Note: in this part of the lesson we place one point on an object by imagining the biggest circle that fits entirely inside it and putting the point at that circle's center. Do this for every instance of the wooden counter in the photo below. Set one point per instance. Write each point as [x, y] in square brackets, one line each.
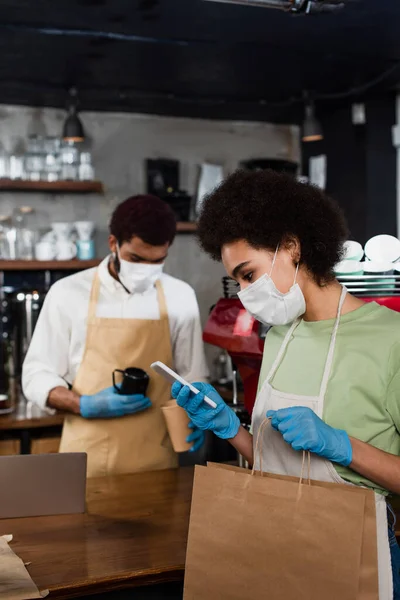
[30, 432]
[15, 421]
[134, 533]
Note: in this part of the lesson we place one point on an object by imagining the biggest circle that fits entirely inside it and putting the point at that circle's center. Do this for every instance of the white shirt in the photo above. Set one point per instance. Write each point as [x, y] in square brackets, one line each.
[58, 342]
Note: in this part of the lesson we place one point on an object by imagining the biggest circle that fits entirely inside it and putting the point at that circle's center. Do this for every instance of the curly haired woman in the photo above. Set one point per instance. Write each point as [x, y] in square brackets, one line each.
[330, 378]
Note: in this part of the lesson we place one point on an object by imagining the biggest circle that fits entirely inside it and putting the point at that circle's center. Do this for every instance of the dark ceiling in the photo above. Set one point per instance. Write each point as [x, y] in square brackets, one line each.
[191, 57]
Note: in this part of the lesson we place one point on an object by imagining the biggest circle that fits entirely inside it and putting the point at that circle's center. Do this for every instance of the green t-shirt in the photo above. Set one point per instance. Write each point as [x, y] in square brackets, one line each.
[363, 395]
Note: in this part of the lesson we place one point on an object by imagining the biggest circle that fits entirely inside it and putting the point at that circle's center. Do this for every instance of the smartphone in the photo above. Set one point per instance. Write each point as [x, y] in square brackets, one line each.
[171, 376]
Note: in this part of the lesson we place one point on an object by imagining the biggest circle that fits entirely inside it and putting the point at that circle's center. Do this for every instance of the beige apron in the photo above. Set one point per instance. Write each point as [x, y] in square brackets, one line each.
[138, 442]
[280, 458]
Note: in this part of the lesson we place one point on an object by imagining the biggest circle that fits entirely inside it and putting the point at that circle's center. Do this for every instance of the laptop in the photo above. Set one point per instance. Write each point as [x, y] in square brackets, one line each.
[33, 485]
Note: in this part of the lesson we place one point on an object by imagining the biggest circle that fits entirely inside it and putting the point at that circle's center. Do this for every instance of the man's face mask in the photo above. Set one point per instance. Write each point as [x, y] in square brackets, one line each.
[138, 277]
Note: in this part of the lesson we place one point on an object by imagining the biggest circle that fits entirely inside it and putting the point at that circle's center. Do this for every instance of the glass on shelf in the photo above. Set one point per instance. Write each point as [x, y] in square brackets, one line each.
[7, 238]
[52, 160]
[34, 158]
[16, 167]
[25, 232]
[4, 163]
[86, 171]
[69, 161]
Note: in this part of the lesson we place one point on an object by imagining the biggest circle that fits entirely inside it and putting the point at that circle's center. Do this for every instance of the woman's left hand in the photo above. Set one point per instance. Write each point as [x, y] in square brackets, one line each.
[304, 430]
[197, 437]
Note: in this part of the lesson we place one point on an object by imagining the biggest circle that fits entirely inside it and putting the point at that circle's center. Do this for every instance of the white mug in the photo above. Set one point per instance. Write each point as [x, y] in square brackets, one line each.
[44, 251]
[62, 230]
[65, 250]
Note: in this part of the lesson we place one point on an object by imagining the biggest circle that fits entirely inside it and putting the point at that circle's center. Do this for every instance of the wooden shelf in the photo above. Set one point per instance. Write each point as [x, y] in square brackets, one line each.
[69, 265]
[182, 227]
[47, 265]
[55, 187]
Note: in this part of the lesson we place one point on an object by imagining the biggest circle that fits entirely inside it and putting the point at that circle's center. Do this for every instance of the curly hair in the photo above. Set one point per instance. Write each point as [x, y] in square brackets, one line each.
[267, 208]
[145, 216]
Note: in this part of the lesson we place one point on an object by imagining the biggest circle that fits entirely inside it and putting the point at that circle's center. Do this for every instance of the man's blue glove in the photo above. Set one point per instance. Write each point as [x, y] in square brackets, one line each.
[197, 437]
[221, 420]
[108, 403]
[304, 430]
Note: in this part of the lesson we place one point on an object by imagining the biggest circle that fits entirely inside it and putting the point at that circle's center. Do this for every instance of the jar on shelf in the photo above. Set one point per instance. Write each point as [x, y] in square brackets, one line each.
[7, 238]
[17, 166]
[34, 158]
[52, 159]
[69, 161]
[25, 232]
[4, 163]
[86, 171]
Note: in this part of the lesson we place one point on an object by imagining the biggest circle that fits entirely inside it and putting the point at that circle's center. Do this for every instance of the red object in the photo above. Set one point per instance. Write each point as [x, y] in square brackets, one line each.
[392, 302]
[228, 328]
[244, 324]
[231, 328]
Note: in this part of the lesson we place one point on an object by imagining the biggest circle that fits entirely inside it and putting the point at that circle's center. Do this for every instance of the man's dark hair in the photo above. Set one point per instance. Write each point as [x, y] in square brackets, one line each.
[267, 208]
[147, 217]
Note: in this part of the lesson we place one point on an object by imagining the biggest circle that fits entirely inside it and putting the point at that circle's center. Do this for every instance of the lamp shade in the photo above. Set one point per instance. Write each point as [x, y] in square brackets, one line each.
[73, 129]
[312, 130]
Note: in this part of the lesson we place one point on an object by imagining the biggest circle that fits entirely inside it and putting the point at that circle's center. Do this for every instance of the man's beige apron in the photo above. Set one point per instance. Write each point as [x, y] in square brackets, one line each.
[138, 442]
[278, 457]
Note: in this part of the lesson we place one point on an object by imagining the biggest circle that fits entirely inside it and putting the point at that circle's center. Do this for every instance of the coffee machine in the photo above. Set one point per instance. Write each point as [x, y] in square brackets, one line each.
[7, 365]
[19, 311]
[22, 294]
[25, 306]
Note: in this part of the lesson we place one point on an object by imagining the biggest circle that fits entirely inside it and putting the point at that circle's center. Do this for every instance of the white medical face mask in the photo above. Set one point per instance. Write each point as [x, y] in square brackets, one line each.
[138, 277]
[268, 305]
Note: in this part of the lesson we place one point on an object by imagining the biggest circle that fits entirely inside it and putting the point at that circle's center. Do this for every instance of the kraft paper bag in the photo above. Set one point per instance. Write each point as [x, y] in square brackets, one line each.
[368, 586]
[276, 537]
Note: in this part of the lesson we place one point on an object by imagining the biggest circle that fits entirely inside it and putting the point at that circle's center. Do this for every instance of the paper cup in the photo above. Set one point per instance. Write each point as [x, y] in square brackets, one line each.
[177, 422]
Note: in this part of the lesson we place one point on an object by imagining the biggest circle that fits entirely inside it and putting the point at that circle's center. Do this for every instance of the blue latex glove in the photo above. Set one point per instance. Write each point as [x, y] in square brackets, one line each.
[197, 437]
[221, 420]
[304, 430]
[108, 403]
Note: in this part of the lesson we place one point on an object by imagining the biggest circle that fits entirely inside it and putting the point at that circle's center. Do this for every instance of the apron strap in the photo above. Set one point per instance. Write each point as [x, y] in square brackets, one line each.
[162, 304]
[94, 296]
[329, 359]
[282, 351]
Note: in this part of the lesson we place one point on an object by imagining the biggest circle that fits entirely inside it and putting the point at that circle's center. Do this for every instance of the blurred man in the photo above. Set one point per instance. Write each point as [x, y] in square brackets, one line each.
[125, 313]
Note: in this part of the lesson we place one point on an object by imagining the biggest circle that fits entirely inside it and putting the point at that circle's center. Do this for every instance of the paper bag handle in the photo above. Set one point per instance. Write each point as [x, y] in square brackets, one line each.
[258, 451]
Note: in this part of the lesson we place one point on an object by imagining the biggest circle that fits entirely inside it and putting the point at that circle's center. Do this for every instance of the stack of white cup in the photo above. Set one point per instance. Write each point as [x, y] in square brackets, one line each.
[57, 245]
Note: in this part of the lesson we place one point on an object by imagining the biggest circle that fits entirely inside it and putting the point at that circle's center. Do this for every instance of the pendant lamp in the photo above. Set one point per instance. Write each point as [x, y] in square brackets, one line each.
[73, 129]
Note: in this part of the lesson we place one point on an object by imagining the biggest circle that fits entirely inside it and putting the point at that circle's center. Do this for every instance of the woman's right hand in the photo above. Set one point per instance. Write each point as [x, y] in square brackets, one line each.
[221, 420]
